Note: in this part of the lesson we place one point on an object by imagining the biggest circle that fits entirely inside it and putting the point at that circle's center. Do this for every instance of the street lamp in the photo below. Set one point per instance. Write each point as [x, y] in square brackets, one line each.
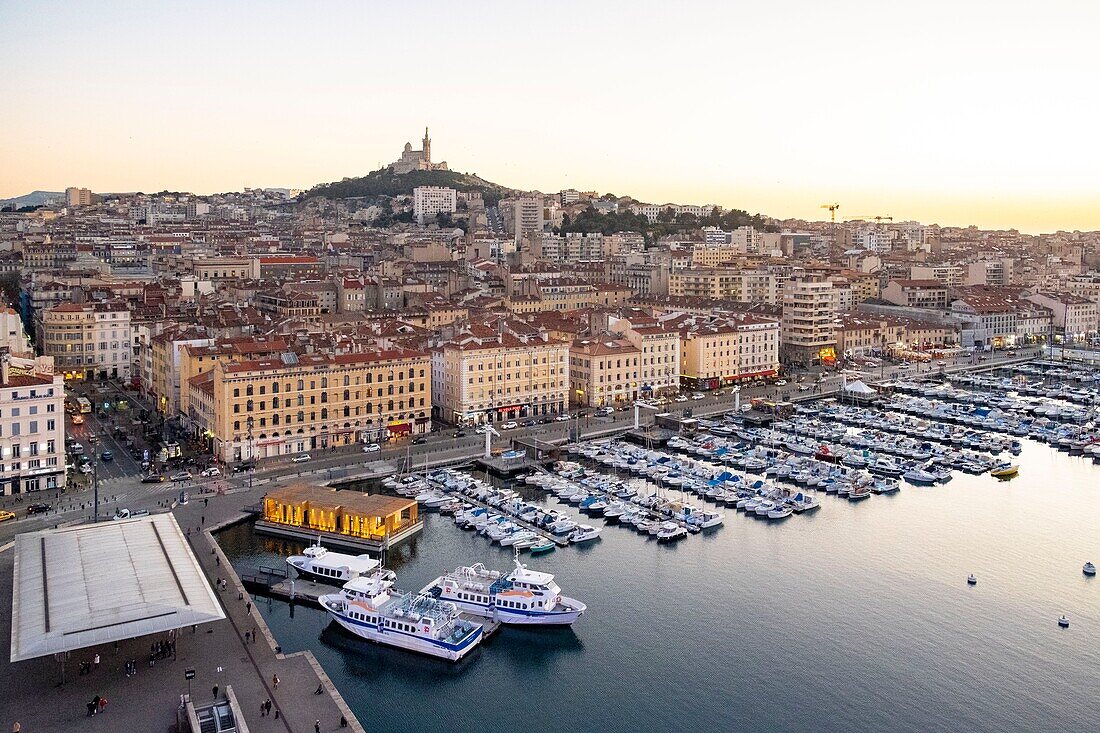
[251, 450]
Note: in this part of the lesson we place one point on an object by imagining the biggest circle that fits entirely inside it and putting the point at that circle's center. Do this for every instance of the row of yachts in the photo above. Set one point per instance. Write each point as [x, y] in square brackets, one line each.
[1008, 402]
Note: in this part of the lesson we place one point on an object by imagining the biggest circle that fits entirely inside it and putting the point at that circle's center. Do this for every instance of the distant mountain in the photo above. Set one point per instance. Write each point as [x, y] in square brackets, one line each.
[384, 182]
[34, 198]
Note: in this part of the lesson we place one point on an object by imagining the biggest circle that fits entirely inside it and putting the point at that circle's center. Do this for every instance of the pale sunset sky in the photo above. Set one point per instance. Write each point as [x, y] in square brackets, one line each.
[945, 112]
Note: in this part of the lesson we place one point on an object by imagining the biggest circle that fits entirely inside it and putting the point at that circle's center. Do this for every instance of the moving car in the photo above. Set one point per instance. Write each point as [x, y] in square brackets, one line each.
[38, 508]
[211, 471]
[803, 388]
[5, 515]
[181, 476]
[681, 398]
[372, 448]
[780, 382]
[93, 438]
[85, 468]
[301, 458]
[604, 411]
[107, 455]
[458, 434]
[698, 396]
[528, 423]
[78, 419]
[510, 425]
[419, 440]
[244, 466]
[76, 448]
[563, 417]
[153, 478]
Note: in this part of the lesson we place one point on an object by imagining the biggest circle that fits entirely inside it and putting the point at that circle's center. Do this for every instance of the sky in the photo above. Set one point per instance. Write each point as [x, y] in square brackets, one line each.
[957, 113]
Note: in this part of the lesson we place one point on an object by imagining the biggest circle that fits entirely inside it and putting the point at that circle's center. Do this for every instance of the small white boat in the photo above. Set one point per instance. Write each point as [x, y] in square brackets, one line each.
[1089, 569]
[584, 533]
[1063, 622]
[972, 579]
[671, 532]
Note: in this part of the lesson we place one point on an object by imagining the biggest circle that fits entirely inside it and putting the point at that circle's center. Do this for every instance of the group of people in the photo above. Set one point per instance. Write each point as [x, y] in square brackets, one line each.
[96, 705]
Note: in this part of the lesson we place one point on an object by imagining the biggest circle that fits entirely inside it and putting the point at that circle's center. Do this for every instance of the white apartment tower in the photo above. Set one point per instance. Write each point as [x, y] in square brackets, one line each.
[429, 201]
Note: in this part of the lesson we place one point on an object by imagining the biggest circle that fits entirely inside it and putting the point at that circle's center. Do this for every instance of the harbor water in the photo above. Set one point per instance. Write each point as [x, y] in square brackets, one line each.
[855, 618]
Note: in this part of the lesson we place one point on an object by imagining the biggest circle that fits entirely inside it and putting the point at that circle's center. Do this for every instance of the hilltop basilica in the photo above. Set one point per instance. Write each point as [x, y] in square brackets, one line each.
[417, 160]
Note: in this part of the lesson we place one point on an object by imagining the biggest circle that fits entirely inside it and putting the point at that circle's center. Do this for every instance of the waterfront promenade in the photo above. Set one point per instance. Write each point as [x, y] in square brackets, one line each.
[149, 700]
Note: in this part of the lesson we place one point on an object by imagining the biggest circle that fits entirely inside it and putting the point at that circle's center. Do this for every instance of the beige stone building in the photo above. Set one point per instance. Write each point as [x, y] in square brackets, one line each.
[722, 351]
[295, 404]
[87, 340]
[604, 371]
[486, 377]
[32, 426]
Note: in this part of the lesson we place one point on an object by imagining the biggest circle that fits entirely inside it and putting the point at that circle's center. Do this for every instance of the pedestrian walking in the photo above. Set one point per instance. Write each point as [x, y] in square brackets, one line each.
[215, 692]
[202, 520]
[343, 721]
[248, 607]
[275, 681]
[217, 561]
[317, 726]
[253, 636]
[319, 691]
[95, 662]
[246, 636]
[206, 502]
[263, 708]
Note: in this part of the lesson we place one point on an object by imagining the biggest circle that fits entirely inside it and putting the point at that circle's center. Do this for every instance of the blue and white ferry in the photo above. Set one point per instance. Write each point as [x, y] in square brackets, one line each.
[371, 608]
[521, 597]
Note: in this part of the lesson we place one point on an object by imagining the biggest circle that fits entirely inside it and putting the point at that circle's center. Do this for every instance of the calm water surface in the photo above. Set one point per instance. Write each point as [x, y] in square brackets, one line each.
[856, 618]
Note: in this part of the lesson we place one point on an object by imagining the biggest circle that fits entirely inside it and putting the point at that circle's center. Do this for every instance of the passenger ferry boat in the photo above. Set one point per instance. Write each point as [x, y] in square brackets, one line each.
[334, 568]
[521, 597]
[370, 608]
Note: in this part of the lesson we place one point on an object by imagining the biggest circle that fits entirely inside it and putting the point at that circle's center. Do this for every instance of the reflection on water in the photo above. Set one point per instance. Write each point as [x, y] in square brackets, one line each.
[855, 618]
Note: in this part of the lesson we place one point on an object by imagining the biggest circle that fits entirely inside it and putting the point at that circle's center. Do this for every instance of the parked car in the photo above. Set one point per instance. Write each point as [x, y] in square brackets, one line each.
[803, 388]
[76, 448]
[181, 476]
[153, 478]
[458, 434]
[780, 382]
[564, 417]
[93, 438]
[38, 508]
[510, 425]
[372, 448]
[528, 423]
[107, 455]
[698, 396]
[1010, 352]
[419, 440]
[85, 468]
[244, 466]
[605, 411]
[300, 458]
[211, 471]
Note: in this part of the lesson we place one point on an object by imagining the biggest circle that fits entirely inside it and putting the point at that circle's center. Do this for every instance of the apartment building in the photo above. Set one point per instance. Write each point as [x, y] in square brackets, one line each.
[482, 376]
[292, 404]
[949, 275]
[723, 351]
[809, 311]
[430, 201]
[32, 426]
[603, 371]
[930, 294]
[1074, 317]
[725, 283]
[659, 353]
[87, 340]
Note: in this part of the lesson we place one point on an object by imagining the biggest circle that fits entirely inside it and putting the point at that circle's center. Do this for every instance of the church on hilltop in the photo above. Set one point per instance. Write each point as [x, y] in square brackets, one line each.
[417, 160]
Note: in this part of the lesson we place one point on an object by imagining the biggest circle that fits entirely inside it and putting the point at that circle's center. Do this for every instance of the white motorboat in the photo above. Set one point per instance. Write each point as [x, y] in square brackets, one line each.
[670, 532]
[1089, 569]
[334, 568]
[584, 533]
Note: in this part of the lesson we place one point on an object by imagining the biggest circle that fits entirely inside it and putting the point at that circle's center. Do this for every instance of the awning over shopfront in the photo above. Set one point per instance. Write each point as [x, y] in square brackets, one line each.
[400, 428]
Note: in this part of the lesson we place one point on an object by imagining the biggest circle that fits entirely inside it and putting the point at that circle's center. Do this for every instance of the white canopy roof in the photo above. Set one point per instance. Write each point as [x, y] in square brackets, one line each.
[858, 387]
[79, 586]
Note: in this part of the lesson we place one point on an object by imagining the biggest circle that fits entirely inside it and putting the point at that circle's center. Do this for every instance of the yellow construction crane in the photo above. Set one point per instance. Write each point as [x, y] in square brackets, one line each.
[832, 211]
[865, 217]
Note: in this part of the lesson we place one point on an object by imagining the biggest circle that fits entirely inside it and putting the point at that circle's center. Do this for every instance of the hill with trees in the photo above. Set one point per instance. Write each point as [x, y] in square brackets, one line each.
[384, 182]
